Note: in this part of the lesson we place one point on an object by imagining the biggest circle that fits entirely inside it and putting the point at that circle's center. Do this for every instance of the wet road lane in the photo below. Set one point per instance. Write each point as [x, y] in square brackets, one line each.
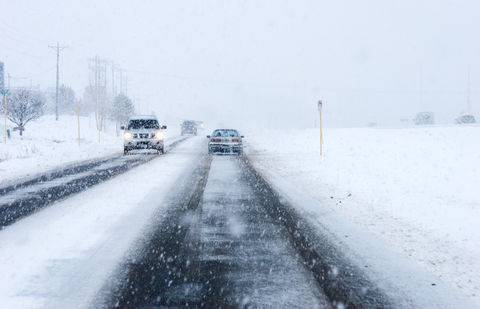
[235, 230]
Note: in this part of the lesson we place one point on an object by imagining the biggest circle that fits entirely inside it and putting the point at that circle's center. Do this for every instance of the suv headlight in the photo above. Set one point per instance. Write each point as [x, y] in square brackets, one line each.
[127, 136]
[159, 135]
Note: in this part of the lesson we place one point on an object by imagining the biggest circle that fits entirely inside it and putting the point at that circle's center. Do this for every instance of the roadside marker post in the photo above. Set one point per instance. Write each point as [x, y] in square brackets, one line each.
[320, 106]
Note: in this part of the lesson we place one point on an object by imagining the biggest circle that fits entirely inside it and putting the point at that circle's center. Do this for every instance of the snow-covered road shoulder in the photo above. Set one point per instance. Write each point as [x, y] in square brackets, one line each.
[48, 145]
[60, 256]
[401, 202]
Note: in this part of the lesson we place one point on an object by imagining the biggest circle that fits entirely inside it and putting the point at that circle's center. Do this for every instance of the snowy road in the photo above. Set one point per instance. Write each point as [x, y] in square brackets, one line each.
[189, 229]
[226, 243]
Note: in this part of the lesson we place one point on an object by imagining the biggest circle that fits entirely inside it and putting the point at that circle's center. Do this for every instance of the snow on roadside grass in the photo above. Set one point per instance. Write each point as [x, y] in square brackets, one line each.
[412, 191]
[48, 144]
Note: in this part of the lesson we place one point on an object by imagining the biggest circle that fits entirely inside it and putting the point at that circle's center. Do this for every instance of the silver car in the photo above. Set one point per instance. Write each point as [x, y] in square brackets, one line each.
[143, 132]
[225, 141]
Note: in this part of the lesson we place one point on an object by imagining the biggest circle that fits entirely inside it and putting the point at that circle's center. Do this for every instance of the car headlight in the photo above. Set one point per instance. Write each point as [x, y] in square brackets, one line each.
[159, 135]
[127, 136]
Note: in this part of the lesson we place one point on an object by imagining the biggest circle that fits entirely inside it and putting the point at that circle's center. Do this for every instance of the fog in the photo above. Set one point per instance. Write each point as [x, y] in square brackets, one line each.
[259, 63]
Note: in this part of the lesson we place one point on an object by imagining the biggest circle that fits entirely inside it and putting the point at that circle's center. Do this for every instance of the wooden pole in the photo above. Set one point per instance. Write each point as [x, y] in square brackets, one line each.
[320, 106]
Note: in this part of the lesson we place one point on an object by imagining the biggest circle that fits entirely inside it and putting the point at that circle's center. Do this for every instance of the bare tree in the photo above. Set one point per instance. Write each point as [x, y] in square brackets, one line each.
[24, 106]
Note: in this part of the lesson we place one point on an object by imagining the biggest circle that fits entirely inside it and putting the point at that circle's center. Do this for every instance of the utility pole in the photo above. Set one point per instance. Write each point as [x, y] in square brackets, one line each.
[121, 81]
[126, 84]
[98, 84]
[113, 80]
[58, 49]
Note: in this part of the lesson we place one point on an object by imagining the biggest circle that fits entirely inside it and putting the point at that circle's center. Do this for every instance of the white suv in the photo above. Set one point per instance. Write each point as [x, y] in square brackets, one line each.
[143, 132]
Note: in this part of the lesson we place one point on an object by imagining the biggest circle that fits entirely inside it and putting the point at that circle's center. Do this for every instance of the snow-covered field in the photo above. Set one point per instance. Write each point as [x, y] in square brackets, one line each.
[48, 144]
[61, 256]
[403, 202]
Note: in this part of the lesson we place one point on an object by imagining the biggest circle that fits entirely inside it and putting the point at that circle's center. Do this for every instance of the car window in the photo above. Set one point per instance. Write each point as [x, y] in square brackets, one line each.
[225, 133]
[188, 124]
[143, 124]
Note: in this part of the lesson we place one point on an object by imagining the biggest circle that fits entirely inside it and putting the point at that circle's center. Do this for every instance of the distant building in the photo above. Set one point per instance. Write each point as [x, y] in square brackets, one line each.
[2, 76]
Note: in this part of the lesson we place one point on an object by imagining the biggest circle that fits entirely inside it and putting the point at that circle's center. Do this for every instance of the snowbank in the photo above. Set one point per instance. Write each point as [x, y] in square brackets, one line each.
[47, 144]
[402, 201]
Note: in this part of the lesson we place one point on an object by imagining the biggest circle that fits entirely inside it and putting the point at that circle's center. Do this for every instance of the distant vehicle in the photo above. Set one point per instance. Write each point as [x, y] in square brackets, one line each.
[465, 119]
[424, 118]
[189, 127]
[225, 141]
[143, 132]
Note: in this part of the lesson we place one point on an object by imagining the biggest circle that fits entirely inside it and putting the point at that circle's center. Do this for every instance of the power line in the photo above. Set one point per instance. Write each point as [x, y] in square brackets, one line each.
[213, 80]
[27, 54]
[23, 34]
[42, 72]
[10, 77]
[14, 38]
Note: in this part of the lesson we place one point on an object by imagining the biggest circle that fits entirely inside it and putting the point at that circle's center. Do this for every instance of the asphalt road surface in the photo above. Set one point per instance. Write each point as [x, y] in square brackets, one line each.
[228, 240]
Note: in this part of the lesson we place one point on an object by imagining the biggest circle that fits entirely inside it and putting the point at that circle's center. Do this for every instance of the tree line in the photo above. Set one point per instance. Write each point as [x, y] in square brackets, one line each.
[24, 105]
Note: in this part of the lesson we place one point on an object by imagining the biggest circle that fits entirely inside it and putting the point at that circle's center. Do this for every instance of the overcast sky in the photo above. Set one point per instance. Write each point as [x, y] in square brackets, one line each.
[262, 63]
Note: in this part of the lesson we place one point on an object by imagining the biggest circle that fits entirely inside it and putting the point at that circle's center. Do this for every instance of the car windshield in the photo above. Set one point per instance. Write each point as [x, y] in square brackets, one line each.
[138, 124]
[225, 133]
[188, 124]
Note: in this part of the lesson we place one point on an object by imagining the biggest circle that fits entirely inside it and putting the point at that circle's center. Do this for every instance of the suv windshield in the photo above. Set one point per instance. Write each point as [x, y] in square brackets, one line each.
[138, 124]
[188, 124]
[225, 133]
